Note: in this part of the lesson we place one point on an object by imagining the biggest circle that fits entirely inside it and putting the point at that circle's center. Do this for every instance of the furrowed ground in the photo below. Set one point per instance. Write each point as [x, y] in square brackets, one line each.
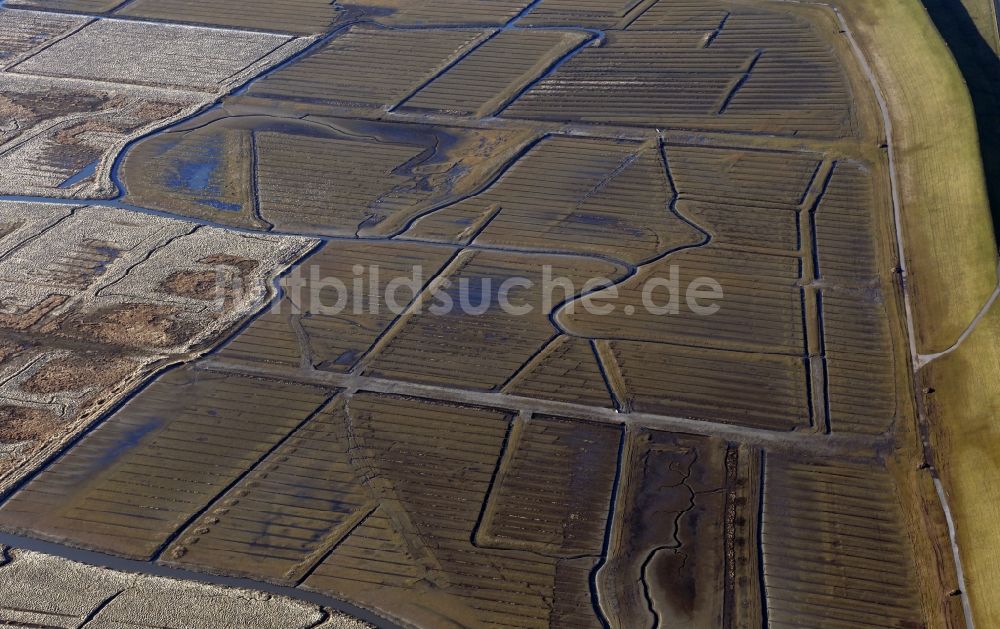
[760, 466]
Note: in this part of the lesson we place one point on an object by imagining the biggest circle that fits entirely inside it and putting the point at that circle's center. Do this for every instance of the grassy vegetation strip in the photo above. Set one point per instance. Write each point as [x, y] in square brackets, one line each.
[948, 239]
[952, 263]
[962, 409]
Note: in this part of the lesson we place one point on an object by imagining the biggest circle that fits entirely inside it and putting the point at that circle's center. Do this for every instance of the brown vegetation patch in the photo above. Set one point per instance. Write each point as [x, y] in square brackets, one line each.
[212, 283]
[26, 319]
[10, 349]
[155, 110]
[78, 372]
[193, 284]
[73, 157]
[47, 104]
[19, 423]
[71, 135]
[133, 325]
[13, 110]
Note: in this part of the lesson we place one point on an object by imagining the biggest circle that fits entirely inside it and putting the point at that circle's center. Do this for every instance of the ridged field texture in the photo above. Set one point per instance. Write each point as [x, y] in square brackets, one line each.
[561, 313]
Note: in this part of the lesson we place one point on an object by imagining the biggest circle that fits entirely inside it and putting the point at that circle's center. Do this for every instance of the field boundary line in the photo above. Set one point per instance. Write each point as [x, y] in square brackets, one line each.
[904, 275]
[462, 55]
[854, 445]
[759, 536]
[182, 528]
[633, 14]
[502, 101]
[16, 61]
[94, 613]
[508, 449]
[597, 36]
[453, 264]
[535, 360]
[611, 371]
[305, 568]
[616, 516]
